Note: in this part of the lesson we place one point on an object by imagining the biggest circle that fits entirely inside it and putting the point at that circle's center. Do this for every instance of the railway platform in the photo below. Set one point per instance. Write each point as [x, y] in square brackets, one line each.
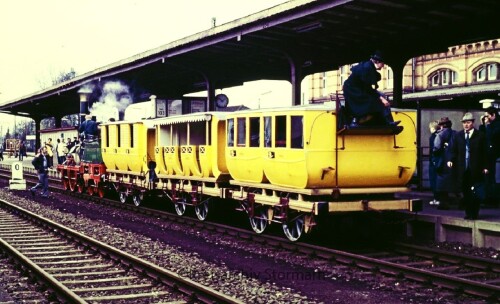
[430, 224]
[450, 225]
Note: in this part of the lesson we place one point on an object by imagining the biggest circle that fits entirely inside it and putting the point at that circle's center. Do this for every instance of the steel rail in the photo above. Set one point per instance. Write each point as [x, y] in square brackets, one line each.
[194, 290]
[448, 281]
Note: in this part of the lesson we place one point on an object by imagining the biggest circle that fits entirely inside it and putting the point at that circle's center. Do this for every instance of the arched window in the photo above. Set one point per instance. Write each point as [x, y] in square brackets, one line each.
[443, 77]
[486, 72]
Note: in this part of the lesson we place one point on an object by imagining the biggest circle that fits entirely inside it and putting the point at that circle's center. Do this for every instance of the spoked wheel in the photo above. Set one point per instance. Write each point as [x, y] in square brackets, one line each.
[137, 199]
[65, 184]
[123, 197]
[72, 185]
[294, 228]
[259, 221]
[201, 210]
[180, 206]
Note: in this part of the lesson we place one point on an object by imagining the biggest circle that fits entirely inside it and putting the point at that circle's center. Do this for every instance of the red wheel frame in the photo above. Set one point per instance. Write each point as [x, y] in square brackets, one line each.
[72, 185]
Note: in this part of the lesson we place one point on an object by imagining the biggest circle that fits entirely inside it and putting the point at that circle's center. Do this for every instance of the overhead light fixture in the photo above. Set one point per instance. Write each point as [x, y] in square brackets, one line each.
[445, 99]
[308, 27]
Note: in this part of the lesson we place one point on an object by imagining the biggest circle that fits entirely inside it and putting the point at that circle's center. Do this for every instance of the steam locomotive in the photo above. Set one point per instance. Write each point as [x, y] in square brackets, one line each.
[283, 165]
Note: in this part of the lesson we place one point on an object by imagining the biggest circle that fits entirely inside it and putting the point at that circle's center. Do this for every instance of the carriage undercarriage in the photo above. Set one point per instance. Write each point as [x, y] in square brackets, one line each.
[296, 210]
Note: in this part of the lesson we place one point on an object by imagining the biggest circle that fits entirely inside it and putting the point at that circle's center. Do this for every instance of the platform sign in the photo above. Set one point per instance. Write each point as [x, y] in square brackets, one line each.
[17, 182]
[17, 170]
[161, 108]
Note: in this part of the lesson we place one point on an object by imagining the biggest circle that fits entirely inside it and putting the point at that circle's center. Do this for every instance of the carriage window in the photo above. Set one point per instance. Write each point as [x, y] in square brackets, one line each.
[280, 133]
[131, 136]
[254, 131]
[297, 132]
[106, 139]
[230, 132]
[118, 129]
[242, 130]
[268, 130]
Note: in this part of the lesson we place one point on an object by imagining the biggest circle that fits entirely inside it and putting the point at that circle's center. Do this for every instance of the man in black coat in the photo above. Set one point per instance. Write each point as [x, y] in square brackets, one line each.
[469, 160]
[491, 127]
[362, 100]
[441, 155]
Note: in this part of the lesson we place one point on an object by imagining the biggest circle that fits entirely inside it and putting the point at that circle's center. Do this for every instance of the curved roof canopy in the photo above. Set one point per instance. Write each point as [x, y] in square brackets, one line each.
[311, 36]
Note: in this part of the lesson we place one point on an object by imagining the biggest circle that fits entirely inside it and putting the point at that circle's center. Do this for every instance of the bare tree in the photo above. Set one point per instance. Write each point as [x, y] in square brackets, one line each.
[64, 76]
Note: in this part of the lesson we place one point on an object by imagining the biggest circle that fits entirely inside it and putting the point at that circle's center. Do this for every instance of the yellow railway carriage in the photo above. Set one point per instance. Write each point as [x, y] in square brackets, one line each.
[127, 146]
[191, 145]
[301, 148]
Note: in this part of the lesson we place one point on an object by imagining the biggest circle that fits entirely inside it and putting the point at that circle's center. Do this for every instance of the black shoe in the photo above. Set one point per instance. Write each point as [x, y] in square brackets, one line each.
[32, 192]
[394, 123]
[467, 217]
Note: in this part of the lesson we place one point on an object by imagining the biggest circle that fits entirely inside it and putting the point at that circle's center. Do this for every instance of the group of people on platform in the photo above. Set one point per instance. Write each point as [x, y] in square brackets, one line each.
[43, 160]
[465, 161]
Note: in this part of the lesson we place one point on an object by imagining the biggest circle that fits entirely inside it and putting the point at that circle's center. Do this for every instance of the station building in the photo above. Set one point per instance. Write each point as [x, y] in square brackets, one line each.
[475, 66]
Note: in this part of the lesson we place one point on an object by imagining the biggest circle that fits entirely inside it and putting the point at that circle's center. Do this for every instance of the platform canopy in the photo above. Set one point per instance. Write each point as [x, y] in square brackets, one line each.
[285, 42]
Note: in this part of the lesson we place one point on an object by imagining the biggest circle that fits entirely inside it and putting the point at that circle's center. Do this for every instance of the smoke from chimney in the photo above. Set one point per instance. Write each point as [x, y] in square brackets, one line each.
[114, 99]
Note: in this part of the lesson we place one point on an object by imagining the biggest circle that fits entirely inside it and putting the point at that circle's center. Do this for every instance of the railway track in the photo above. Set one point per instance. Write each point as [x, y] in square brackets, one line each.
[78, 269]
[471, 275]
[475, 276]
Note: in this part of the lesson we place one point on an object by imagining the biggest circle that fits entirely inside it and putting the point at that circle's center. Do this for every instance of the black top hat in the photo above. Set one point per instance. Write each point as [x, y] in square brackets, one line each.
[444, 120]
[378, 55]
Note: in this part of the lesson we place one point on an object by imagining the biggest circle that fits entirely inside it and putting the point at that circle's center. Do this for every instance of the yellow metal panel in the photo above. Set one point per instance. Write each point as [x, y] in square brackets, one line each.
[218, 142]
[313, 166]
[205, 157]
[109, 152]
[161, 165]
[379, 160]
[189, 158]
[122, 149]
[367, 206]
[172, 160]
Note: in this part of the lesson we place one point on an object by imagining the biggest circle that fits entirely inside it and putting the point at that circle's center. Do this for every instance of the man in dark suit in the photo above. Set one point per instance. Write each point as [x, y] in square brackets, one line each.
[469, 158]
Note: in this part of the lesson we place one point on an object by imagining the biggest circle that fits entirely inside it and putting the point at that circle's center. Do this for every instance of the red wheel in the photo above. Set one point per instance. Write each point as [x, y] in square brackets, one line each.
[90, 190]
[80, 187]
[101, 192]
[65, 183]
[72, 185]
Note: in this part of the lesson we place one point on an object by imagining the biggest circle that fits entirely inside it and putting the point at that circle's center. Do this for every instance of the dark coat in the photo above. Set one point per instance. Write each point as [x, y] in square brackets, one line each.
[361, 96]
[38, 163]
[432, 167]
[442, 154]
[477, 158]
[493, 139]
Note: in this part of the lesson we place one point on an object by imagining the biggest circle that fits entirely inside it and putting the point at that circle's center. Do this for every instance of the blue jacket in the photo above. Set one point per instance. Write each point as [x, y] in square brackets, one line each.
[88, 127]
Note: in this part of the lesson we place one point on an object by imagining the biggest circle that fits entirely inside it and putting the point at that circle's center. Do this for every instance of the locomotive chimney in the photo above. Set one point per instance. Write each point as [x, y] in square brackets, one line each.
[84, 93]
[121, 115]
